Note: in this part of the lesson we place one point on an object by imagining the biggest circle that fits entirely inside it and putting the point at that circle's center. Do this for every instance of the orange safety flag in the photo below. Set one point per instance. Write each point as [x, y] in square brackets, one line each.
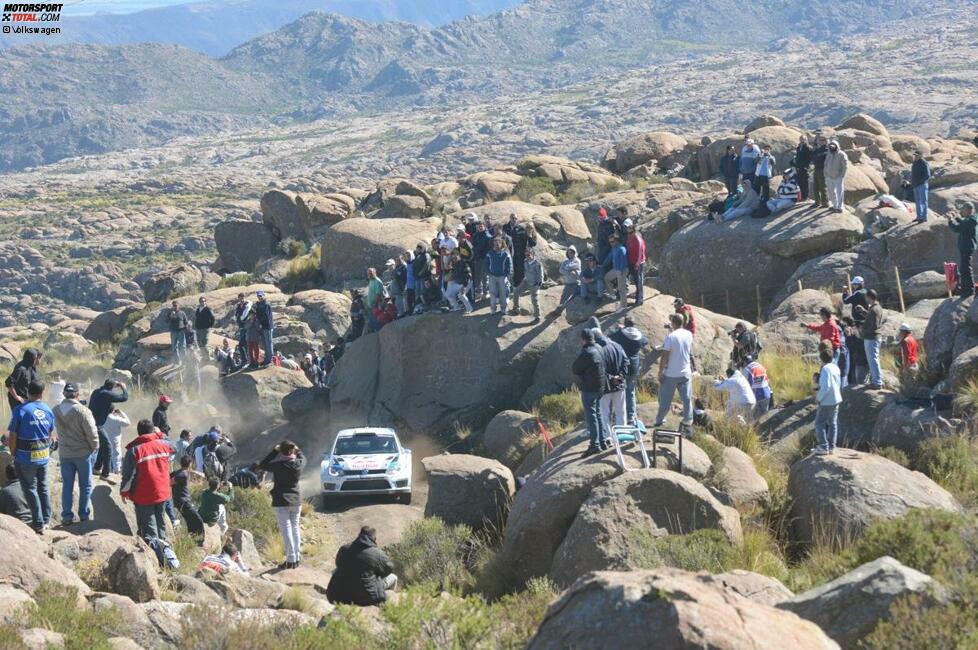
[546, 436]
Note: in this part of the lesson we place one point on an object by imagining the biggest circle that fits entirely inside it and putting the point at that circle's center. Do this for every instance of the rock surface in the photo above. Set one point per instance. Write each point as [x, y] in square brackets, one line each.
[470, 490]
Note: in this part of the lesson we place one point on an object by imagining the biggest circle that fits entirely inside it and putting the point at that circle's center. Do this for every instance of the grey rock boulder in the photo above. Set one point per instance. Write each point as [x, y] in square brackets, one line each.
[470, 490]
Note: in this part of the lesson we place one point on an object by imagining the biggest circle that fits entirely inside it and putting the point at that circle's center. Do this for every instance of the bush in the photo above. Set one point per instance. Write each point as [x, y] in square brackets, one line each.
[898, 456]
[966, 399]
[530, 186]
[912, 625]
[701, 550]
[790, 376]
[561, 409]
[252, 511]
[292, 248]
[953, 463]
[56, 608]
[236, 280]
[577, 191]
[934, 542]
[435, 554]
[736, 434]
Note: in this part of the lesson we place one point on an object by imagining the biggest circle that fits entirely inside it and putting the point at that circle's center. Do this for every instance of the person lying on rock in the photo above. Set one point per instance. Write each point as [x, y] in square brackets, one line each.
[227, 561]
[364, 573]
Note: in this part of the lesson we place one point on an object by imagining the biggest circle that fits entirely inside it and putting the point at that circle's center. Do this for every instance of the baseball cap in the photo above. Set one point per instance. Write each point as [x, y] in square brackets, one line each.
[260, 294]
[460, 228]
[389, 263]
[213, 435]
[678, 302]
[70, 389]
[166, 399]
[602, 212]
[905, 327]
[628, 223]
[858, 280]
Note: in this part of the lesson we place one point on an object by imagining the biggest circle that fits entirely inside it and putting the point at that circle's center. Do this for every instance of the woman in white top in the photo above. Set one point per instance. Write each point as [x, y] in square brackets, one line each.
[113, 427]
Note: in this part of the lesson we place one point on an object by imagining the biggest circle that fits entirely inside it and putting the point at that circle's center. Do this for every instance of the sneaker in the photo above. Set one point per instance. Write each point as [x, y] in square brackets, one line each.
[590, 451]
[605, 445]
[176, 523]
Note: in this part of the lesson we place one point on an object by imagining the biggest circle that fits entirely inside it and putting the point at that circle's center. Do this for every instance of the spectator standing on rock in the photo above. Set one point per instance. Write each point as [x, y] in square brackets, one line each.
[756, 375]
[635, 246]
[399, 285]
[242, 309]
[909, 356]
[855, 297]
[421, 267]
[177, 322]
[285, 463]
[592, 380]
[617, 273]
[24, 373]
[920, 179]
[749, 154]
[828, 331]
[522, 237]
[410, 285]
[203, 322]
[358, 315]
[730, 169]
[614, 412]
[765, 172]
[102, 403]
[312, 371]
[966, 227]
[746, 345]
[30, 435]
[364, 574]
[180, 489]
[632, 341]
[804, 155]
[114, 425]
[869, 332]
[858, 365]
[676, 372]
[266, 324]
[740, 396]
[460, 277]
[375, 297]
[744, 206]
[570, 274]
[481, 245]
[607, 228]
[819, 153]
[499, 266]
[532, 282]
[161, 419]
[13, 501]
[253, 338]
[836, 168]
[78, 444]
[146, 479]
[829, 398]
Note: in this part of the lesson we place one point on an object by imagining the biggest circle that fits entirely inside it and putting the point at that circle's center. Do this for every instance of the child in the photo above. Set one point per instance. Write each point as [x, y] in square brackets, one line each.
[229, 561]
[212, 504]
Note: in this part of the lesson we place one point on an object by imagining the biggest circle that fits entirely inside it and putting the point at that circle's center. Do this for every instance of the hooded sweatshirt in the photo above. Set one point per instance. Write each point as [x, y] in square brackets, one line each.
[837, 163]
[360, 571]
[748, 158]
[285, 473]
[24, 373]
[570, 269]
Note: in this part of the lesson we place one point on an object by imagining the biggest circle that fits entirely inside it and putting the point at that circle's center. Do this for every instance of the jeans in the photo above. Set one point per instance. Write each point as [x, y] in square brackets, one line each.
[456, 292]
[631, 400]
[613, 409]
[920, 198]
[762, 185]
[803, 182]
[667, 389]
[178, 344]
[595, 288]
[638, 277]
[201, 337]
[168, 509]
[498, 292]
[621, 277]
[762, 406]
[149, 521]
[777, 205]
[115, 457]
[837, 192]
[534, 298]
[842, 360]
[966, 278]
[82, 468]
[266, 336]
[479, 277]
[735, 213]
[821, 196]
[731, 183]
[592, 417]
[103, 456]
[34, 483]
[827, 426]
[873, 357]
[288, 525]
[570, 290]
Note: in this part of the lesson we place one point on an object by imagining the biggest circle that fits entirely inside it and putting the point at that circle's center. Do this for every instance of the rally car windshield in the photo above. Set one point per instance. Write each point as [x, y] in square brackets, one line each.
[359, 445]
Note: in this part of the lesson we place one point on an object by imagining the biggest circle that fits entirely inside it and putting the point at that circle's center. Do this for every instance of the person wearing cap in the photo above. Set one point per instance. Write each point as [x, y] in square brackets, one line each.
[146, 479]
[499, 266]
[387, 275]
[855, 296]
[471, 225]
[78, 445]
[632, 341]
[607, 228]
[870, 333]
[102, 403]
[749, 154]
[730, 169]
[676, 372]
[203, 322]
[801, 162]
[765, 172]
[617, 274]
[819, 153]
[30, 435]
[909, 355]
[591, 379]
[462, 233]
[481, 245]
[160, 419]
[967, 229]
[836, 168]
[635, 247]
[920, 179]
[177, 322]
[745, 345]
[266, 325]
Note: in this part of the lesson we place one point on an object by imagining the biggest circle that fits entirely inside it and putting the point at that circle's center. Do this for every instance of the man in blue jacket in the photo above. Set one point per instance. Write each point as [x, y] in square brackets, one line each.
[481, 244]
[266, 323]
[617, 264]
[730, 169]
[632, 340]
[920, 179]
[499, 266]
[101, 403]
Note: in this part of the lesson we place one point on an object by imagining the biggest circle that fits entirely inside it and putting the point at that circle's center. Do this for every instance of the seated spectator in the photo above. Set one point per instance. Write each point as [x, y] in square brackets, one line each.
[788, 193]
[213, 500]
[228, 561]
[592, 280]
[12, 500]
[364, 574]
[289, 363]
[749, 201]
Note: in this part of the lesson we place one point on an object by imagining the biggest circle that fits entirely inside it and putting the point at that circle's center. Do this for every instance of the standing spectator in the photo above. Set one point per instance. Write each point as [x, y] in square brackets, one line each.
[756, 375]
[746, 345]
[870, 334]
[532, 281]
[749, 154]
[589, 368]
[266, 325]
[253, 338]
[966, 227]
[29, 436]
[523, 238]
[180, 488]
[607, 228]
[364, 574]
[635, 246]
[740, 396]
[410, 285]
[614, 412]
[112, 430]
[499, 266]
[13, 500]
[242, 309]
[686, 311]
[829, 398]
[285, 463]
[458, 286]
[592, 280]
[617, 265]
[399, 285]
[828, 331]
[858, 365]
[730, 169]
[481, 245]
[78, 445]
[570, 274]
[765, 172]
[632, 340]
[375, 298]
[203, 322]
[804, 155]
[160, 418]
[24, 373]
[836, 168]
[819, 154]
[146, 479]
[421, 268]
[675, 371]
[178, 322]
[101, 403]
[387, 276]
[312, 371]
[183, 443]
[920, 179]
[213, 503]
[856, 299]
[225, 358]
[909, 356]
[358, 315]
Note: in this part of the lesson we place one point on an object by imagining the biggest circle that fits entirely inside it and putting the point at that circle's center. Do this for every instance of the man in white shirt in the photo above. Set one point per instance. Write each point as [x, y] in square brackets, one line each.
[675, 371]
[829, 398]
[740, 396]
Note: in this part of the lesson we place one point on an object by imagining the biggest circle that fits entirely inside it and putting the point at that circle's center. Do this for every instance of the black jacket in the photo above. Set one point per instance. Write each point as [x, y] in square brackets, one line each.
[857, 299]
[631, 341]
[264, 312]
[966, 229]
[803, 157]
[203, 318]
[101, 403]
[589, 368]
[461, 272]
[160, 419]
[615, 363]
[285, 478]
[24, 373]
[919, 172]
[180, 486]
[730, 166]
[14, 503]
[421, 267]
[360, 571]
[819, 154]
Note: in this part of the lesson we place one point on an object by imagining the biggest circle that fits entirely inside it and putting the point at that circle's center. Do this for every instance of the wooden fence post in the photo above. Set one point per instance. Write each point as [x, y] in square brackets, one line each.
[899, 286]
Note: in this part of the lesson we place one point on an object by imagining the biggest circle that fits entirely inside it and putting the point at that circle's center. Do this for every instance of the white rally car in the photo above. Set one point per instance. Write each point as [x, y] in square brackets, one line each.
[367, 461]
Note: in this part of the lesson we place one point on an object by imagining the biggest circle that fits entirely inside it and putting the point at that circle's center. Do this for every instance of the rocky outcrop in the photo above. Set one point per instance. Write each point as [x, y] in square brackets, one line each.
[112, 561]
[242, 244]
[257, 395]
[675, 608]
[656, 146]
[740, 480]
[470, 490]
[353, 245]
[510, 436]
[752, 586]
[181, 279]
[24, 563]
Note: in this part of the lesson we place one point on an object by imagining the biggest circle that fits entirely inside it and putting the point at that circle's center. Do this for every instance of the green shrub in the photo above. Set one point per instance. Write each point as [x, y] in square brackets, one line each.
[953, 463]
[530, 186]
[577, 191]
[701, 550]
[561, 409]
[236, 280]
[252, 511]
[935, 542]
[433, 553]
[912, 625]
[10, 637]
[898, 456]
[56, 608]
[790, 375]
[735, 434]
[292, 248]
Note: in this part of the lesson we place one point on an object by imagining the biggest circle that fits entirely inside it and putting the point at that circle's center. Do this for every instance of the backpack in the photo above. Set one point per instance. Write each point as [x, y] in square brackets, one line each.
[164, 553]
[213, 468]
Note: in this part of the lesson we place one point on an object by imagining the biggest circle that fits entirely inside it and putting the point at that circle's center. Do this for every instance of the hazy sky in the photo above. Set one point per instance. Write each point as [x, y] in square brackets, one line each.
[78, 7]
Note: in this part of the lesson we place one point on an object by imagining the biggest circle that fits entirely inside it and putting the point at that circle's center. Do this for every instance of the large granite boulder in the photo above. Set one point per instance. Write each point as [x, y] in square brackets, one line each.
[24, 564]
[326, 313]
[242, 244]
[256, 396]
[740, 480]
[470, 490]
[510, 436]
[641, 149]
[111, 562]
[351, 246]
[180, 279]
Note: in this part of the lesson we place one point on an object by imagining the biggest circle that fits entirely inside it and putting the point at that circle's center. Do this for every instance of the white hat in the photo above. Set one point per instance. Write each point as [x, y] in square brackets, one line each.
[905, 327]
[389, 263]
[460, 228]
[627, 223]
[472, 216]
[858, 280]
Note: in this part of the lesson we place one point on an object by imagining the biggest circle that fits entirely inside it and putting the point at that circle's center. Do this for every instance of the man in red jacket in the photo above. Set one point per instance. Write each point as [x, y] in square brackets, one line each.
[828, 330]
[146, 478]
[635, 247]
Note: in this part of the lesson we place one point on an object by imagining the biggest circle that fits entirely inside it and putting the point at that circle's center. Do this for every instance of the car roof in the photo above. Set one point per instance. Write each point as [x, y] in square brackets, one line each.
[379, 431]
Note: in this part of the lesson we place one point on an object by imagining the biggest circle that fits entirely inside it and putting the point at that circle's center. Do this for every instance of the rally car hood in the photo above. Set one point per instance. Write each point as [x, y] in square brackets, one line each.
[365, 461]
